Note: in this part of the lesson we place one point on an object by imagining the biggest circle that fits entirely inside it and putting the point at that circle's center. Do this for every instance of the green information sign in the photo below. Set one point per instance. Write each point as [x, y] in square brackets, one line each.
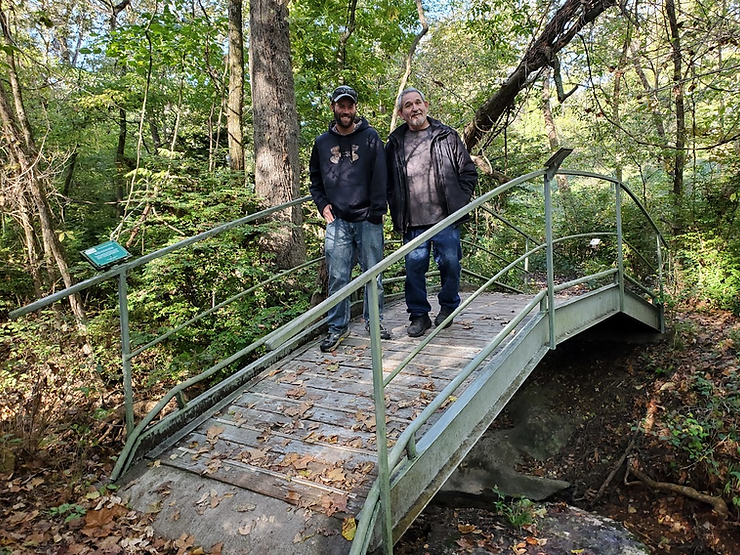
[105, 255]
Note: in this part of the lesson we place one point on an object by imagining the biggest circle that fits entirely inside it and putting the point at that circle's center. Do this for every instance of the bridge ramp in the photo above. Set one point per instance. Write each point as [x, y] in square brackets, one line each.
[285, 460]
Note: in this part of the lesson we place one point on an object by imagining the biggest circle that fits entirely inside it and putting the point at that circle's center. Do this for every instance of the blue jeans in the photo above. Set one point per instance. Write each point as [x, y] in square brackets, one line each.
[447, 251]
[345, 244]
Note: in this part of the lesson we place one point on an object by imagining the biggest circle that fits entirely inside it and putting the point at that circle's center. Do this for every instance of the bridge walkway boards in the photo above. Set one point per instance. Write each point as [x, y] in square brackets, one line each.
[303, 431]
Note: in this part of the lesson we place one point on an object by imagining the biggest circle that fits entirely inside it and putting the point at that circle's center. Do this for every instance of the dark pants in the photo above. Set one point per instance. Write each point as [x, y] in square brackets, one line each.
[447, 252]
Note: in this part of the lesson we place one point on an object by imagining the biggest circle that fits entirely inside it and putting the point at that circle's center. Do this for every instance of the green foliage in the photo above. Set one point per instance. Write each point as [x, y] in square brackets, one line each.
[710, 269]
[707, 433]
[518, 512]
[70, 511]
[16, 284]
[732, 486]
[41, 360]
[382, 33]
[734, 337]
[690, 435]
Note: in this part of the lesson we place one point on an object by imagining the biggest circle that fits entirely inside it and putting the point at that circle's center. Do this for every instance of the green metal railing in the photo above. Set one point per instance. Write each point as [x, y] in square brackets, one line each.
[121, 273]
[404, 451]
[155, 428]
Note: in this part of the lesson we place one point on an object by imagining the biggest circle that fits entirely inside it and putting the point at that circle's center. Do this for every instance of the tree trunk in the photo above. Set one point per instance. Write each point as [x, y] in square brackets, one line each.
[616, 103]
[654, 103]
[553, 140]
[29, 236]
[119, 182]
[120, 162]
[567, 22]
[410, 57]
[679, 158]
[275, 126]
[550, 128]
[25, 161]
[236, 87]
[344, 37]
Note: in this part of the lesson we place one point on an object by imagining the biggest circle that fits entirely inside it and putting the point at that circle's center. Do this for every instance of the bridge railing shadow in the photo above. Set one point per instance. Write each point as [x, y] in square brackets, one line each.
[522, 241]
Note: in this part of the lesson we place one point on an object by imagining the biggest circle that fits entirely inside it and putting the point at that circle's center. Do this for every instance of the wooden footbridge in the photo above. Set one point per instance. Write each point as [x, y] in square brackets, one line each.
[308, 452]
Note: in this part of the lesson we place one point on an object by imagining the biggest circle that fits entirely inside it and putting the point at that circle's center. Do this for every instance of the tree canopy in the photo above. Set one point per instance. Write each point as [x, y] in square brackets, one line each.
[122, 109]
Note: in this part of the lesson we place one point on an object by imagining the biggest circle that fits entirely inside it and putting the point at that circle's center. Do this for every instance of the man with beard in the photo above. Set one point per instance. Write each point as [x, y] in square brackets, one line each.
[348, 185]
[430, 176]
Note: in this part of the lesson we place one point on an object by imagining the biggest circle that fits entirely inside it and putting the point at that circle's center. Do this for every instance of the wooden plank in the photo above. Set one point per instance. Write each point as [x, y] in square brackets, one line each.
[304, 431]
[296, 491]
[347, 412]
[355, 376]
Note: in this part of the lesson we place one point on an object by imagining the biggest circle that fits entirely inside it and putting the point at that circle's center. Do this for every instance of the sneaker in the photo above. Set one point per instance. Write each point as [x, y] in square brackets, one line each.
[419, 324]
[333, 339]
[443, 313]
[384, 333]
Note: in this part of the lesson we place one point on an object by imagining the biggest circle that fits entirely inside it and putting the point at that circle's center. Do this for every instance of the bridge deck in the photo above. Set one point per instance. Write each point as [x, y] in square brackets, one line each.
[304, 431]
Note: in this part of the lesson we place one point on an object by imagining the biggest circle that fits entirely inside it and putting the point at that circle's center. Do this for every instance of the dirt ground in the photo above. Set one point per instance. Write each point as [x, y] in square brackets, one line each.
[612, 388]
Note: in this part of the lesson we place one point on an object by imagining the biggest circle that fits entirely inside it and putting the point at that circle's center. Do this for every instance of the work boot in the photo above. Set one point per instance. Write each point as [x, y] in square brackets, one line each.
[384, 333]
[444, 312]
[419, 324]
[333, 339]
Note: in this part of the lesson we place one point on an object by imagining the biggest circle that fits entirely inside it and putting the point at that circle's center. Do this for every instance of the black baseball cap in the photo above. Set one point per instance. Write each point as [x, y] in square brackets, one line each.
[341, 92]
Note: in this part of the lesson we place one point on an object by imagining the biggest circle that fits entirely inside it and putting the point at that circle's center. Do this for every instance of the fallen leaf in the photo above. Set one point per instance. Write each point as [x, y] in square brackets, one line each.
[465, 528]
[465, 543]
[296, 392]
[302, 463]
[299, 411]
[349, 527]
[293, 497]
[334, 475]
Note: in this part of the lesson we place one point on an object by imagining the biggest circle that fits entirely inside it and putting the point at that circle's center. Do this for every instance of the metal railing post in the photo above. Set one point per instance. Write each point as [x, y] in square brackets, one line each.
[552, 165]
[660, 283]
[526, 264]
[128, 390]
[550, 262]
[620, 242]
[381, 436]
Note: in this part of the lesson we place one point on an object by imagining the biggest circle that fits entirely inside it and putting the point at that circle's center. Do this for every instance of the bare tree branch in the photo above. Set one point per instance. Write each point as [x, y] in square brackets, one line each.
[567, 22]
[410, 56]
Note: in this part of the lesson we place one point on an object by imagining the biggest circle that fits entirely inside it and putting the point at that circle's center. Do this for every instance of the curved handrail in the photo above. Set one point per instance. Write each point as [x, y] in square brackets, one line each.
[290, 330]
[404, 447]
[578, 173]
[293, 331]
[145, 259]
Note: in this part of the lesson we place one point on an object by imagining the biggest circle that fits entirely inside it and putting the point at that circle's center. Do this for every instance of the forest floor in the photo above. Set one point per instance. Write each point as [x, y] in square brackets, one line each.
[684, 389]
[628, 398]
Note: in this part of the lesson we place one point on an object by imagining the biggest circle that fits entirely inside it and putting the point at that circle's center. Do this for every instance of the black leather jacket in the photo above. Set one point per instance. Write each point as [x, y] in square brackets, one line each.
[454, 171]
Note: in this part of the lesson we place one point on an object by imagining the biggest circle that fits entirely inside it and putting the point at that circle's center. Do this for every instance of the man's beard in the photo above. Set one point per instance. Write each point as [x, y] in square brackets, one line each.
[339, 122]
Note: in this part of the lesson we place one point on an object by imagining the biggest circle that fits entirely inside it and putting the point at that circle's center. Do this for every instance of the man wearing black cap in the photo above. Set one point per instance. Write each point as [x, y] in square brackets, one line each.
[348, 185]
